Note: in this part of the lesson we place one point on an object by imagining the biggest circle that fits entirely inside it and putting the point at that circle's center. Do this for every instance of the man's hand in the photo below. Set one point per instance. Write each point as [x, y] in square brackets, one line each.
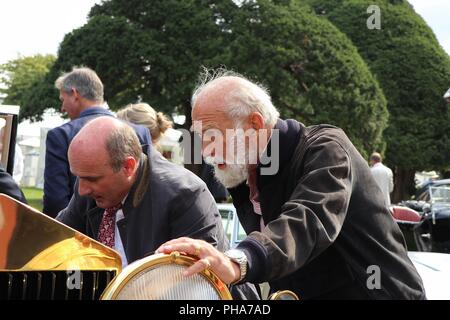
[227, 270]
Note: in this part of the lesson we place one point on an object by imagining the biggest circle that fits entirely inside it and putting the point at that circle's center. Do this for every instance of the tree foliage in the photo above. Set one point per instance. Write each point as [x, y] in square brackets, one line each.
[144, 50]
[313, 71]
[20, 75]
[154, 50]
[414, 72]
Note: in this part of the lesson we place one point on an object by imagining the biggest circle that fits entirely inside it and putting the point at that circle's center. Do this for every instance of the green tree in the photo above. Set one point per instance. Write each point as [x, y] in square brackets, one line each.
[143, 50]
[313, 71]
[18, 76]
[413, 70]
[153, 51]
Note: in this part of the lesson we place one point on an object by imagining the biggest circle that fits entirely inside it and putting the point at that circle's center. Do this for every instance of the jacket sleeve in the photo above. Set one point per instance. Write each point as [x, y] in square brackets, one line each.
[74, 214]
[57, 177]
[9, 186]
[194, 214]
[310, 221]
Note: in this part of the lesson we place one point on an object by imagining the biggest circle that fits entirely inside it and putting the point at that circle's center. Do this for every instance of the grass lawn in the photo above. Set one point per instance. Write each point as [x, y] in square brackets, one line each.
[34, 197]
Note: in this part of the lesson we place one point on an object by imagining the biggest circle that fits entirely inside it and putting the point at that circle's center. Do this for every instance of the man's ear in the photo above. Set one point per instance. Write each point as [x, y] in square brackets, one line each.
[74, 94]
[129, 166]
[257, 121]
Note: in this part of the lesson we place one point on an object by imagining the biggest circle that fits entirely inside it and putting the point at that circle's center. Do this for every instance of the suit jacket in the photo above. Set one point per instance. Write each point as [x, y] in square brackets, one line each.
[9, 187]
[58, 180]
[328, 233]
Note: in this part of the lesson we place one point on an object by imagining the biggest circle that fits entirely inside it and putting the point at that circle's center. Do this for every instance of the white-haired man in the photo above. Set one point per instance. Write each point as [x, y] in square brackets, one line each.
[315, 218]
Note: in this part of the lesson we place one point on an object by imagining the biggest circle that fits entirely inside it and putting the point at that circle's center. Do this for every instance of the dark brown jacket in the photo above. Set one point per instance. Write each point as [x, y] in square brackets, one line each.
[327, 227]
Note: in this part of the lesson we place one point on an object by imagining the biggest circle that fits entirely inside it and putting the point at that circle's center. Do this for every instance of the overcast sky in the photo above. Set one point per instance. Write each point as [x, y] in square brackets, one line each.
[29, 27]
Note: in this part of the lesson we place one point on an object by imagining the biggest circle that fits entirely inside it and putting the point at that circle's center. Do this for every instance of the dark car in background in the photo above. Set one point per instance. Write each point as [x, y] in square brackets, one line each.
[422, 192]
[425, 221]
[434, 268]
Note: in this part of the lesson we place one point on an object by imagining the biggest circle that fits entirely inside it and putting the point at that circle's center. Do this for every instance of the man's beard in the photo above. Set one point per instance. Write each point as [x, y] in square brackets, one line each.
[230, 176]
[233, 174]
[236, 170]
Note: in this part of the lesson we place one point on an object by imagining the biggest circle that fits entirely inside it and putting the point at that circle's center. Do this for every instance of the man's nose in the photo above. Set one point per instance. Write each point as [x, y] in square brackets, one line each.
[204, 149]
[208, 151]
[83, 188]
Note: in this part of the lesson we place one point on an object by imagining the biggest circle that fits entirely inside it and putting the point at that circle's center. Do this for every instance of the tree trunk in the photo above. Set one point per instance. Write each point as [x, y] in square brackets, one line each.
[403, 185]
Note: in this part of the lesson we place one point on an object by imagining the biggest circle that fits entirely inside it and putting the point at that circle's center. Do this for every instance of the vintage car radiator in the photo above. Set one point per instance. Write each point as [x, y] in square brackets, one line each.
[52, 285]
[40, 258]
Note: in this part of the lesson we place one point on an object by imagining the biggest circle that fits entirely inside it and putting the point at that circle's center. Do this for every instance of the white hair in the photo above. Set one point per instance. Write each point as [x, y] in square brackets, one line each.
[240, 102]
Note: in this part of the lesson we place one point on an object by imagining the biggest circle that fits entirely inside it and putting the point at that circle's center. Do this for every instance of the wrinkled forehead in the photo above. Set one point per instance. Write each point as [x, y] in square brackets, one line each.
[210, 112]
[214, 95]
[212, 119]
[89, 145]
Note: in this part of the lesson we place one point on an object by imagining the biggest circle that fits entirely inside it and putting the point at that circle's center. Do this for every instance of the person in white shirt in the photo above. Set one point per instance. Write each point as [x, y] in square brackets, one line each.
[447, 95]
[18, 165]
[383, 176]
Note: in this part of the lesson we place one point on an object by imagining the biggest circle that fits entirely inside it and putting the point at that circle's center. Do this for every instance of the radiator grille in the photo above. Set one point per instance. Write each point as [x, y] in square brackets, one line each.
[53, 285]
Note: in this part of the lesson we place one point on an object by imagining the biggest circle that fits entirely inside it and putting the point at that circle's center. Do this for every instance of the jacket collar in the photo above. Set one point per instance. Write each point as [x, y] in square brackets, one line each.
[139, 187]
[94, 110]
[287, 141]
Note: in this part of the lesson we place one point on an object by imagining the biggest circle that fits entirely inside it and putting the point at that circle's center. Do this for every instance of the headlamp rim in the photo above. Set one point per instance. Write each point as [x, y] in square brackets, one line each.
[128, 273]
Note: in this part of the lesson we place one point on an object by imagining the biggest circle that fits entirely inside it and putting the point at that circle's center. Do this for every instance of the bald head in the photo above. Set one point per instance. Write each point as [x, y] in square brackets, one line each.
[232, 95]
[104, 155]
[109, 139]
[375, 158]
[92, 137]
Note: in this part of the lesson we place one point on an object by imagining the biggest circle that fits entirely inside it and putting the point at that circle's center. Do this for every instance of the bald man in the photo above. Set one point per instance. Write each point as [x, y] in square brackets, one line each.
[133, 202]
[158, 200]
[315, 218]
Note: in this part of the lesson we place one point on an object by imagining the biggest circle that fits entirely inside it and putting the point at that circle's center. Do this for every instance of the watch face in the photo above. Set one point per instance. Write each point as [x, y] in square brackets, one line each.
[235, 254]
[239, 257]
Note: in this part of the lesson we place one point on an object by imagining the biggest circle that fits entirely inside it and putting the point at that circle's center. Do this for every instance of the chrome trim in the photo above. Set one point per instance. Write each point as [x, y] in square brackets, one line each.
[115, 287]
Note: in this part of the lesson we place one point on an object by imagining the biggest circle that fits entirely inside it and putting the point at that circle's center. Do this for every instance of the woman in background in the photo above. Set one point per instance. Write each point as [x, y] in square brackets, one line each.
[143, 114]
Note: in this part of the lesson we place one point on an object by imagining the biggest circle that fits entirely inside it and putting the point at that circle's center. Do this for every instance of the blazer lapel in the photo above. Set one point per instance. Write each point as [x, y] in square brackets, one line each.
[94, 218]
[138, 191]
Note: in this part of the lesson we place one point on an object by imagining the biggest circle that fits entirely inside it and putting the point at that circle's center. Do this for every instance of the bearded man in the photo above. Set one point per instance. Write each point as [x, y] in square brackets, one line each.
[315, 217]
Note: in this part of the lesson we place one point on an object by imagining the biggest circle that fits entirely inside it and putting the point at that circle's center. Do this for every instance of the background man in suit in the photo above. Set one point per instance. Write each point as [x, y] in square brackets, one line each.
[81, 95]
[134, 202]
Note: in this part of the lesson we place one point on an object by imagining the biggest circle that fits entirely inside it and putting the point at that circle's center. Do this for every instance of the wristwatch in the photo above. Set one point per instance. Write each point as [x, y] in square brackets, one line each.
[240, 258]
